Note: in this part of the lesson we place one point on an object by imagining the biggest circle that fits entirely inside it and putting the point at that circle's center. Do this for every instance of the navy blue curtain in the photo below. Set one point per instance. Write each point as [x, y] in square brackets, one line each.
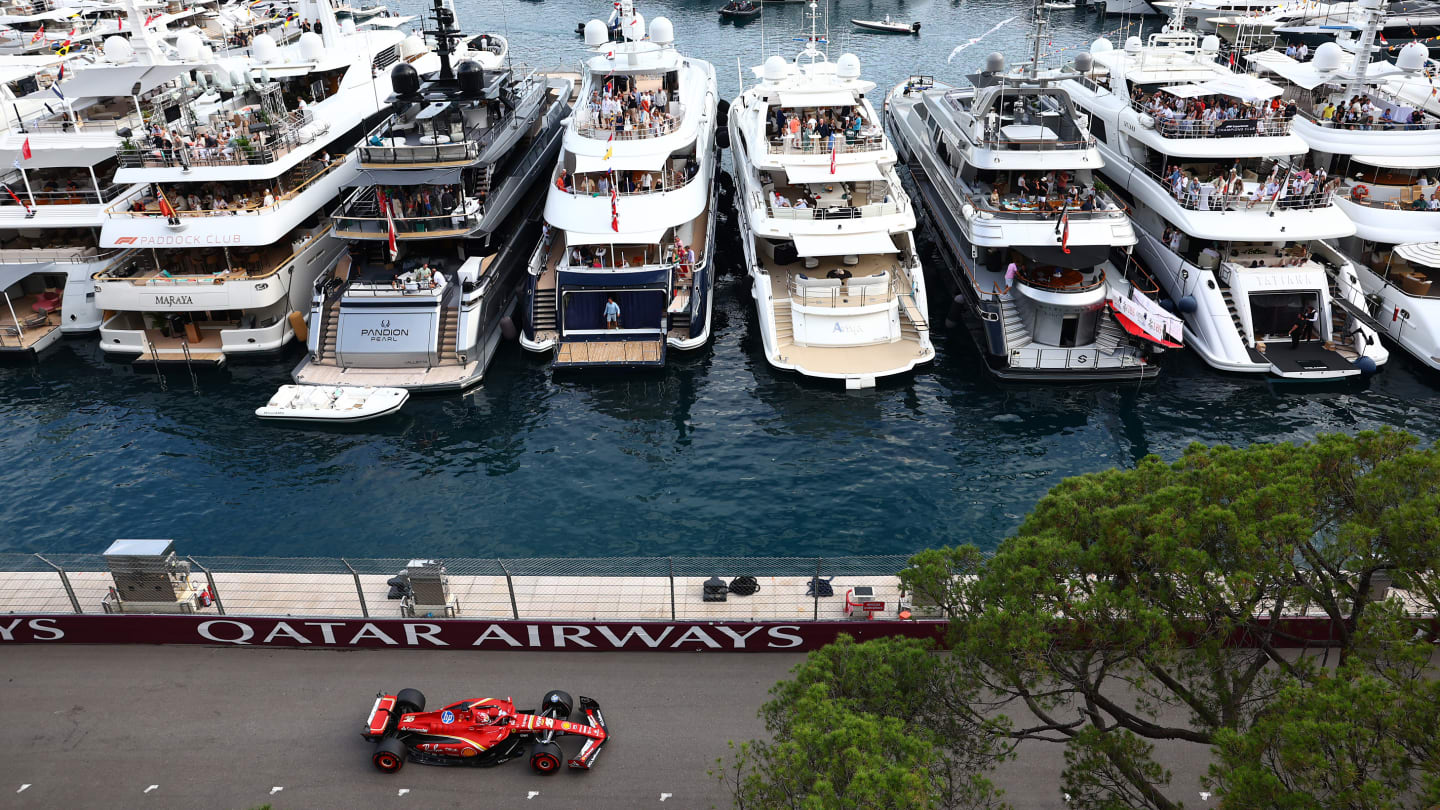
[639, 309]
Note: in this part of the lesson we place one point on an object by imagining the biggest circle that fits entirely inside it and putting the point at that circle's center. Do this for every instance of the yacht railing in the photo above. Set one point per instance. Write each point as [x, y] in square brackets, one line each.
[591, 125]
[1261, 124]
[88, 196]
[152, 209]
[61, 255]
[140, 270]
[1035, 277]
[852, 292]
[396, 289]
[806, 144]
[1037, 357]
[667, 182]
[879, 209]
[266, 145]
[1208, 198]
[475, 139]
[361, 216]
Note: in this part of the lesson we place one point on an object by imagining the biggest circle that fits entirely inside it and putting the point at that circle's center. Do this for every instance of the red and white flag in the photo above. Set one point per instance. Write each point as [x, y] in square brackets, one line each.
[832, 156]
[166, 209]
[21, 203]
[25, 150]
[614, 202]
[389, 224]
[39, 35]
[1065, 233]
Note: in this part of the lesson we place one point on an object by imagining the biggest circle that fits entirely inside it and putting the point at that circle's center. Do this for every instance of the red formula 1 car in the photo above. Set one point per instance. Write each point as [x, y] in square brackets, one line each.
[481, 732]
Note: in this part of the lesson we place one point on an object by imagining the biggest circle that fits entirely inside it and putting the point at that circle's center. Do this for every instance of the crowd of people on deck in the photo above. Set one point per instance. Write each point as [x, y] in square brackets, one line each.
[681, 254]
[423, 277]
[627, 182]
[1213, 188]
[1048, 190]
[1200, 116]
[1361, 112]
[416, 202]
[822, 124]
[627, 110]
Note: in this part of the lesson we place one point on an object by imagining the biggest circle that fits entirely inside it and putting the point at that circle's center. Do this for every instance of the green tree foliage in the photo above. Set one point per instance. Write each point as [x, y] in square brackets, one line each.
[1110, 619]
[872, 726]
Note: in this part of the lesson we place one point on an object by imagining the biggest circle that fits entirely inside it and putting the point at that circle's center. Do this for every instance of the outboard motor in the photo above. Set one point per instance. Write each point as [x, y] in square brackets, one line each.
[405, 80]
[472, 78]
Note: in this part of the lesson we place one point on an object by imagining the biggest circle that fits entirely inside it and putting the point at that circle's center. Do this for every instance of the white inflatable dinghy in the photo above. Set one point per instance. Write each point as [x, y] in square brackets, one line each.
[332, 403]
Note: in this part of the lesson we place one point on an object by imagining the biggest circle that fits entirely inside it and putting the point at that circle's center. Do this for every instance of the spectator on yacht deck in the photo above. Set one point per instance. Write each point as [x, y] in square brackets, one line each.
[612, 313]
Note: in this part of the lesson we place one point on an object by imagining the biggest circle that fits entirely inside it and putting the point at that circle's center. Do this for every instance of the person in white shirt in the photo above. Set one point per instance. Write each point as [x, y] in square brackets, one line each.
[269, 199]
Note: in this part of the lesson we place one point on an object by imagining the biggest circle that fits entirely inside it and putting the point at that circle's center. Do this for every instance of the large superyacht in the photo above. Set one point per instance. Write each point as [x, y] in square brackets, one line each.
[1366, 121]
[1232, 219]
[826, 227]
[625, 268]
[240, 165]
[1038, 250]
[442, 218]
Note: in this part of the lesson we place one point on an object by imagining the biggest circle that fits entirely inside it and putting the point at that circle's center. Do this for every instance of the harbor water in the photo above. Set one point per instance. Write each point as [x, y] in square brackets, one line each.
[715, 455]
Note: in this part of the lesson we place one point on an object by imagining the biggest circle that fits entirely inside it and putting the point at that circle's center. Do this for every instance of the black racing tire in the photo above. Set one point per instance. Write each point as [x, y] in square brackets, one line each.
[556, 699]
[545, 758]
[409, 701]
[389, 756]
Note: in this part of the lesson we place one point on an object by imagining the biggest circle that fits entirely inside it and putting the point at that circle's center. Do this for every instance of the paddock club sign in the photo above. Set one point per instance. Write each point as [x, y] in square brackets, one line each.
[452, 634]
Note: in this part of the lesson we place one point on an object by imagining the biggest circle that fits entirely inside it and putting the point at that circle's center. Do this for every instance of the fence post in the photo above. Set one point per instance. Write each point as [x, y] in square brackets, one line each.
[510, 586]
[214, 591]
[64, 580]
[815, 587]
[671, 561]
[359, 591]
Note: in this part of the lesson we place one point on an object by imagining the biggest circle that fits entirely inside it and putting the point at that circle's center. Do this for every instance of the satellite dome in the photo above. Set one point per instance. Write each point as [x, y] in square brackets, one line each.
[635, 29]
[312, 47]
[1328, 56]
[1084, 62]
[118, 49]
[188, 44]
[1412, 56]
[265, 48]
[848, 66]
[596, 33]
[411, 46]
[1132, 45]
[995, 63]
[1210, 44]
[347, 25]
[405, 79]
[471, 76]
[207, 55]
[776, 68]
[662, 31]
[1102, 45]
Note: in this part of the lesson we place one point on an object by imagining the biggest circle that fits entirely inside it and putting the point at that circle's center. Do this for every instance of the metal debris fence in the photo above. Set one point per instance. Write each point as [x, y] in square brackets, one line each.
[606, 588]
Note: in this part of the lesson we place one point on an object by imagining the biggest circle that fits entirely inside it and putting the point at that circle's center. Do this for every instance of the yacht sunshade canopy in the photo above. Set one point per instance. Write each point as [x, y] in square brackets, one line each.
[99, 82]
[826, 98]
[648, 162]
[844, 173]
[1425, 254]
[573, 238]
[844, 244]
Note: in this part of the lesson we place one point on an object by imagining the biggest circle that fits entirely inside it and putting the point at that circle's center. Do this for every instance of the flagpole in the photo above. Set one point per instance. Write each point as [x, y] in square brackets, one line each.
[28, 192]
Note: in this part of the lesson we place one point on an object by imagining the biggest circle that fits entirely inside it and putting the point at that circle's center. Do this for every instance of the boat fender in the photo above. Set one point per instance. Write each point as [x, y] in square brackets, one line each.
[722, 137]
[507, 328]
[1366, 365]
[302, 329]
[1167, 304]
[722, 113]
[1187, 304]
[1147, 121]
[968, 211]
[915, 28]
[957, 311]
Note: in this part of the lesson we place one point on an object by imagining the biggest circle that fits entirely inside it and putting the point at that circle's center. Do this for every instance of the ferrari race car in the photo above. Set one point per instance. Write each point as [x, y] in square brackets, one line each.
[481, 732]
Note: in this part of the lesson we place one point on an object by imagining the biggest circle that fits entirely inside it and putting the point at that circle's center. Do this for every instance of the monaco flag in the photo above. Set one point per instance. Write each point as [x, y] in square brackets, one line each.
[25, 149]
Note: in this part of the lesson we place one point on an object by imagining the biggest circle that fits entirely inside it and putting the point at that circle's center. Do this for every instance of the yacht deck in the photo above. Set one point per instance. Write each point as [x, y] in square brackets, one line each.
[782, 276]
[447, 376]
[33, 326]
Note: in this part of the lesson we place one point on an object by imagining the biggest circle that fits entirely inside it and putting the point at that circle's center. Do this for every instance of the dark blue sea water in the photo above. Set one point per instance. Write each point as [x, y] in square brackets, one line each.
[716, 455]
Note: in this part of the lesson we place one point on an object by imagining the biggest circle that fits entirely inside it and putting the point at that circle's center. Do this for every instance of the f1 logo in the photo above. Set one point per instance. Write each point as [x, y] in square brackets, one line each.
[125, 240]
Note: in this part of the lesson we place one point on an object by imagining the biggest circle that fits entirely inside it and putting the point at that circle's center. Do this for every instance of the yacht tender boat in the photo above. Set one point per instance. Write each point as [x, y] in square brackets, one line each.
[328, 403]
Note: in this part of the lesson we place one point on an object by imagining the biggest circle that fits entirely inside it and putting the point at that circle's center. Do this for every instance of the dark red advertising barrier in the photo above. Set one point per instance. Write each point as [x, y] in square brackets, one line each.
[455, 634]
[478, 634]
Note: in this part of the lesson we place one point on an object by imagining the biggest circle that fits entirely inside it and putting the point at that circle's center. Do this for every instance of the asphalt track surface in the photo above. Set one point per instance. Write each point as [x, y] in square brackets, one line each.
[221, 728]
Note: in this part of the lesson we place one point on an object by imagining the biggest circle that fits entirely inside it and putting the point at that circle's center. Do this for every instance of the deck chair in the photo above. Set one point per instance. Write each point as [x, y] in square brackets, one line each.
[1407, 195]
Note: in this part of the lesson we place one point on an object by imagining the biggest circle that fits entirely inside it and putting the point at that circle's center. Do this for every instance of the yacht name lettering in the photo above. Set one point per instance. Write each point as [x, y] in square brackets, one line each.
[178, 240]
[173, 300]
[385, 334]
[33, 628]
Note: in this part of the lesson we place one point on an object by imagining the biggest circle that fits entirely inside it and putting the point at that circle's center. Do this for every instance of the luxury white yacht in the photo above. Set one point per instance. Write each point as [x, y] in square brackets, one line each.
[241, 165]
[443, 216]
[1039, 252]
[625, 268]
[826, 227]
[1231, 220]
[1362, 125]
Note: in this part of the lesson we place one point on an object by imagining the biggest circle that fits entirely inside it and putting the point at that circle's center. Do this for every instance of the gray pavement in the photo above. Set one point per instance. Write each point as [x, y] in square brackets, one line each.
[220, 729]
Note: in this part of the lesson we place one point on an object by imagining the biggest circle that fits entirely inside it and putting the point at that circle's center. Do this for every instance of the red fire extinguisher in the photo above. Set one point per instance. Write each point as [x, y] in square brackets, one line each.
[205, 598]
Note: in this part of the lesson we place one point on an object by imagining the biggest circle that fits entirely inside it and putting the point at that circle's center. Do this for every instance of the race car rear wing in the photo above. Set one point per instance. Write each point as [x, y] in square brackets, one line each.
[591, 749]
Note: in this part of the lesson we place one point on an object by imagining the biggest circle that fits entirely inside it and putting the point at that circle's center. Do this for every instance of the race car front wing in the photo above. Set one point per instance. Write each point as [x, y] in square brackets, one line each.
[591, 749]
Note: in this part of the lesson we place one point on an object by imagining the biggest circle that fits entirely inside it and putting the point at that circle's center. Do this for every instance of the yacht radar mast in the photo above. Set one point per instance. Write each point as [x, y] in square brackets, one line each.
[445, 34]
[814, 38]
[1374, 11]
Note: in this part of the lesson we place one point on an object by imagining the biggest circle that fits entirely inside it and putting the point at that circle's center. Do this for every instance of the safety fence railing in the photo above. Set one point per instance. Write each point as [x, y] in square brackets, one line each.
[789, 589]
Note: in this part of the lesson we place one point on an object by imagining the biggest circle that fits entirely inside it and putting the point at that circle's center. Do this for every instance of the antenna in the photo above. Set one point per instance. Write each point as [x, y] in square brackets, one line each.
[1041, 19]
